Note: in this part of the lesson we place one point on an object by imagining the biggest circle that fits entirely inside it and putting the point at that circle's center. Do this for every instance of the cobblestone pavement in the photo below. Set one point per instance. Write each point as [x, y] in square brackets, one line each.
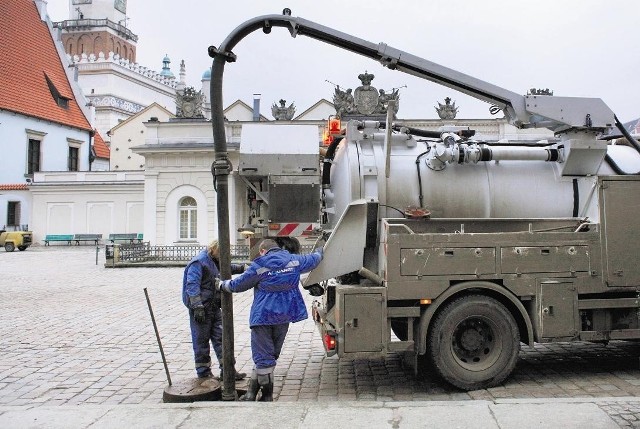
[75, 332]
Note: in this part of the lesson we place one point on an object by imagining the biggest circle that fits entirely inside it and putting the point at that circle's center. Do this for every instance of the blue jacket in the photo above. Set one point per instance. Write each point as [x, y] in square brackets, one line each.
[274, 278]
[198, 278]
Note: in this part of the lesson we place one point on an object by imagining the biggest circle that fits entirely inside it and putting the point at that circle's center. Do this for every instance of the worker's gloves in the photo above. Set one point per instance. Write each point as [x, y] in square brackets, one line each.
[221, 285]
[195, 303]
[199, 314]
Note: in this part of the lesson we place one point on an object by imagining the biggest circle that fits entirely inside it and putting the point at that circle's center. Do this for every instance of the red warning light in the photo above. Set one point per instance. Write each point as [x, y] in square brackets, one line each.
[334, 126]
[326, 138]
[329, 342]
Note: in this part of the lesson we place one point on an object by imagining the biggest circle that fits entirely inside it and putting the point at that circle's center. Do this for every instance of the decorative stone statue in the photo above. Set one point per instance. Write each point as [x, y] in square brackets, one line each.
[365, 100]
[189, 103]
[384, 98]
[283, 113]
[365, 96]
[447, 110]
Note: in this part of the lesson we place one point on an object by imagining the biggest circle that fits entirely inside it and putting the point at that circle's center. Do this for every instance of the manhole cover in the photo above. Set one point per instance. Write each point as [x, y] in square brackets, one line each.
[199, 389]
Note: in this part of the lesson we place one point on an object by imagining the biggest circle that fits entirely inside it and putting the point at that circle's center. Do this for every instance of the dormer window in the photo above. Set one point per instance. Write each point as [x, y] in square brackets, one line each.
[60, 99]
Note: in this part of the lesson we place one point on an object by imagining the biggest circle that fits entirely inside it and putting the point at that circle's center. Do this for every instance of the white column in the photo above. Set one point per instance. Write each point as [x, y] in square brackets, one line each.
[150, 204]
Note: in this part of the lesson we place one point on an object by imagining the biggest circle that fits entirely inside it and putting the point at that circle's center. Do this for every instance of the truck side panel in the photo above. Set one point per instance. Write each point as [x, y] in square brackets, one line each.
[620, 205]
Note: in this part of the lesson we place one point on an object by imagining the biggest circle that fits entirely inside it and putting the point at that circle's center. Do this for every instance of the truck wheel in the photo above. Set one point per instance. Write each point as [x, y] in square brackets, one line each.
[9, 247]
[474, 342]
[22, 248]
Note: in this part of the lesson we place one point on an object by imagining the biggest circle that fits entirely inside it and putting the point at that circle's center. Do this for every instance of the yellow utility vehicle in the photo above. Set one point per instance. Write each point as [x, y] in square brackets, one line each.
[15, 239]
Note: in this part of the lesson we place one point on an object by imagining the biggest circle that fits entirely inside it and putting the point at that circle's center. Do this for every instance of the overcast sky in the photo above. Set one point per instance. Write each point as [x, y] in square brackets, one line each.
[581, 48]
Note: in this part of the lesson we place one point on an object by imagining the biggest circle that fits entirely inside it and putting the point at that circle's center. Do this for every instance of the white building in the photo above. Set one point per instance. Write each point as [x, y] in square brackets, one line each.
[103, 51]
[44, 123]
[100, 202]
[133, 132]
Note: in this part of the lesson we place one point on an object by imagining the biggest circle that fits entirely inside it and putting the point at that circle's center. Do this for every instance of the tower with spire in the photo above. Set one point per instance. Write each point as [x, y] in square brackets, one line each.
[101, 46]
[166, 71]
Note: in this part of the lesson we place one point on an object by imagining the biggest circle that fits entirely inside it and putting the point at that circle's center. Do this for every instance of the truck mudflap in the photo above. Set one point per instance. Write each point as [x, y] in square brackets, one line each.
[344, 250]
[328, 334]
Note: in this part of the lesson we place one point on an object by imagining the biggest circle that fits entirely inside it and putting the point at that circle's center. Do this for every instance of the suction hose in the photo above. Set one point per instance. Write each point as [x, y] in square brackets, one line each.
[631, 141]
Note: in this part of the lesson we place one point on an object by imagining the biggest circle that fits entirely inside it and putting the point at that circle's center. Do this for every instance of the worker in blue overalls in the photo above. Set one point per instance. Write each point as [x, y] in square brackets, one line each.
[203, 301]
[274, 277]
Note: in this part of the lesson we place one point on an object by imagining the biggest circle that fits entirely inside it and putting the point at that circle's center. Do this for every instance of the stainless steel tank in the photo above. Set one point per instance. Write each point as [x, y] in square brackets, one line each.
[493, 189]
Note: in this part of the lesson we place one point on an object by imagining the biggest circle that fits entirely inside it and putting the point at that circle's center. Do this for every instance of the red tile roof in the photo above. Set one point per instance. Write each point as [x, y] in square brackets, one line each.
[101, 148]
[13, 187]
[29, 57]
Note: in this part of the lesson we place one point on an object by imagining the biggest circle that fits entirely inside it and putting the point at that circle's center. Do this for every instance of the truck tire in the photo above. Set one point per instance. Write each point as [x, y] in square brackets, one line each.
[22, 248]
[9, 247]
[474, 342]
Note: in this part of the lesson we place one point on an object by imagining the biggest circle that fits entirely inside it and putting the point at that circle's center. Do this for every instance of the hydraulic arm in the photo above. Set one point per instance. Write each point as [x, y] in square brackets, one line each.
[556, 113]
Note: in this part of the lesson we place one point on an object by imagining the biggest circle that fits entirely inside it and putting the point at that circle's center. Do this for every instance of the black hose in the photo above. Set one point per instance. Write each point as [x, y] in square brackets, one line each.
[633, 142]
[614, 166]
[394, 208]
[576, 198]
[419, 132]
[420, 196]
[413, 131]
[328, 158]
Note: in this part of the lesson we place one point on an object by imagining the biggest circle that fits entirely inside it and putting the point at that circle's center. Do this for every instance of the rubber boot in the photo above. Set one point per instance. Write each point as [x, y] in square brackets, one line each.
[252, 390]
[266, 384]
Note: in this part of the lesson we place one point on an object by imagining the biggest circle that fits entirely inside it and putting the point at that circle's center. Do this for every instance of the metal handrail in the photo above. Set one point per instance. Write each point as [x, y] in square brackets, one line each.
[143, 252]
[79, 23]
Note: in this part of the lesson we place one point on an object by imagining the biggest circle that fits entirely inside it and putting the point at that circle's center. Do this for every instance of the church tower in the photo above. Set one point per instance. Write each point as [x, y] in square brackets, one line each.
[102, 49]
[96, 26]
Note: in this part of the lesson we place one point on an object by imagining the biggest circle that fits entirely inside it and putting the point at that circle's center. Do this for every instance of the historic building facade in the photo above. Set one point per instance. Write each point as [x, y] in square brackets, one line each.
[102, 50]
[44, 122]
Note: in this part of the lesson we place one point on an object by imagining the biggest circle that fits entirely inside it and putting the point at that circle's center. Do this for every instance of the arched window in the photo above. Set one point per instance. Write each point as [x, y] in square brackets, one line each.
[188, 218]
[81, 43]
[98, 45]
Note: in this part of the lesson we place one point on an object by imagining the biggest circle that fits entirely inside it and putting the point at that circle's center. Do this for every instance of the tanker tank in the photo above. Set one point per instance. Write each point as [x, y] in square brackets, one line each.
[491, 189]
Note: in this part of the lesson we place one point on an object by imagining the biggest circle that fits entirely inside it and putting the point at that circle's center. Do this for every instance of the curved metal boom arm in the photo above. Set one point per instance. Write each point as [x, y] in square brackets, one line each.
[555, 113]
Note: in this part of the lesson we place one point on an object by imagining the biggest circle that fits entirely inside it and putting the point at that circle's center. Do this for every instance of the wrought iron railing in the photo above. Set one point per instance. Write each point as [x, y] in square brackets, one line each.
[144, 253]
[74, 24]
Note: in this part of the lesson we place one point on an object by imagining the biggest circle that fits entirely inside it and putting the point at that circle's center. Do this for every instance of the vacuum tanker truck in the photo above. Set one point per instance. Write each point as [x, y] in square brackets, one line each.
[451, 250]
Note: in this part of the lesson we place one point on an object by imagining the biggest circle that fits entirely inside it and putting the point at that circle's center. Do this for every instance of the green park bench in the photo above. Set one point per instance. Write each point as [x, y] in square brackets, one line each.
[50, 238]
[130, 237]
[87, 237]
